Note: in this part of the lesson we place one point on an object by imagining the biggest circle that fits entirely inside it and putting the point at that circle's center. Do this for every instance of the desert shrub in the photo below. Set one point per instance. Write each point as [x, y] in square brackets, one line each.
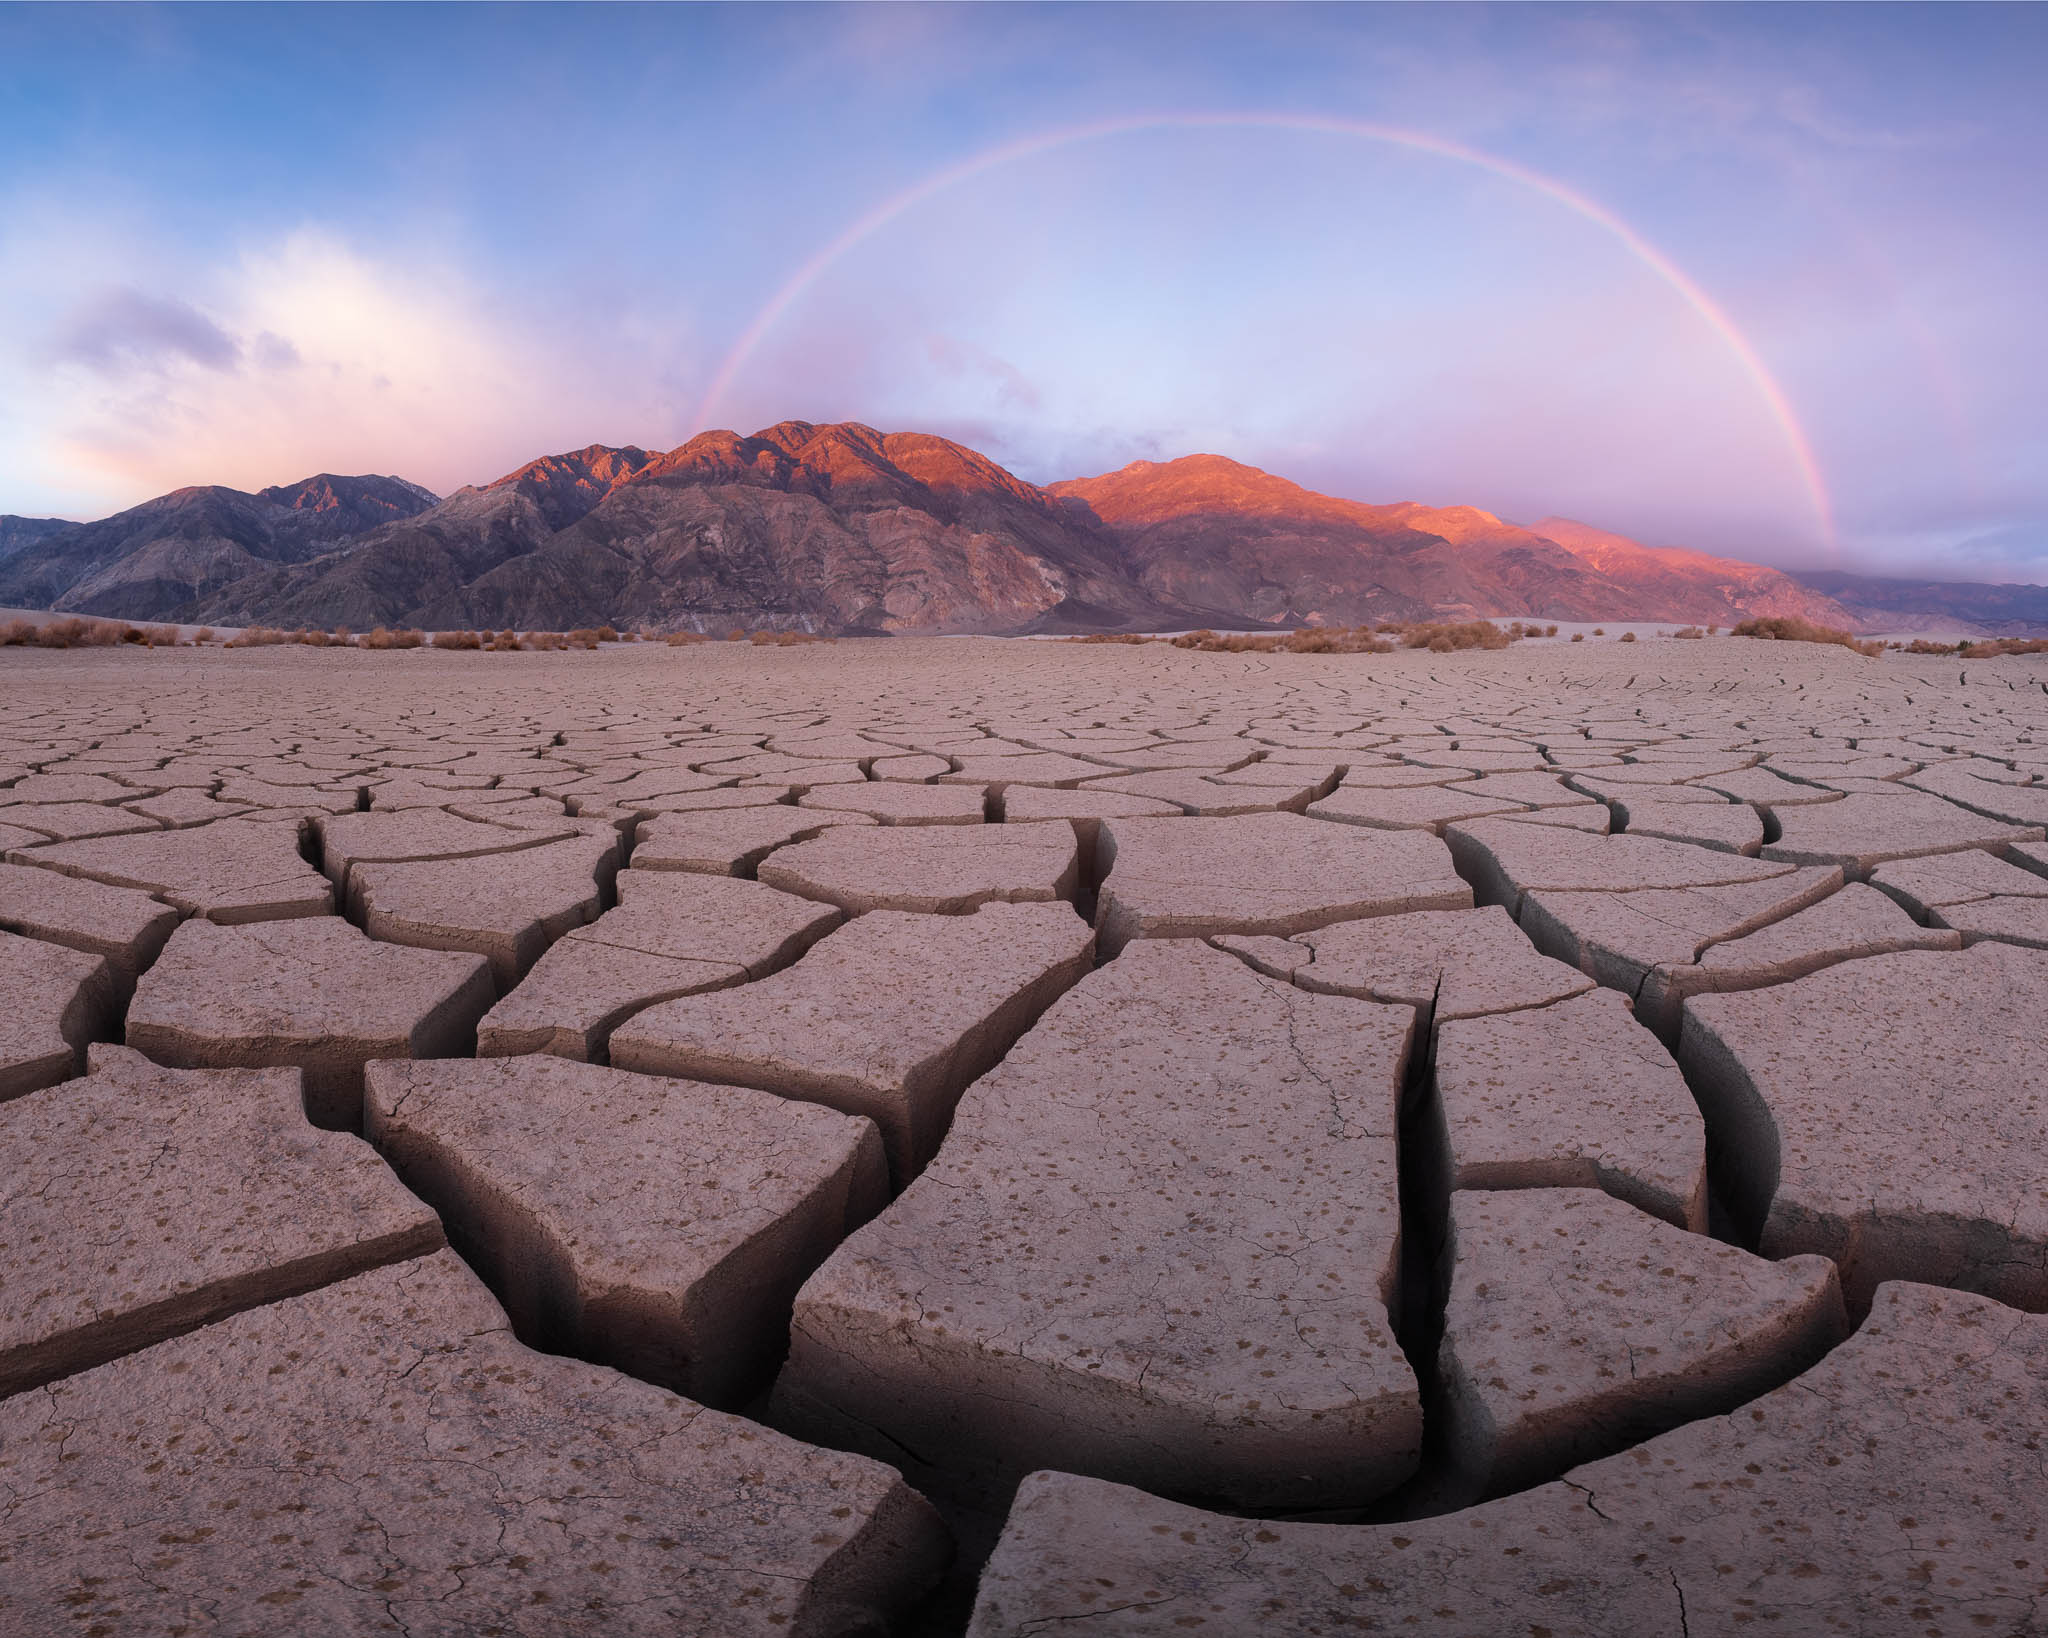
[385, 637]
[1578, 636]
[735, 635]
[1599, 631]
[504, 642]
[203, 635]
[582, 637]
[1713, 631]
[1920, 645]
[1789, 628]
[259, 637]
[607, 634]
[1628, 636]
[1689, 631]
[679, 639]
[1992, 648]
[458, 639]
[74, 632]
[1550, 631]
[1446, 637]
[785, 639]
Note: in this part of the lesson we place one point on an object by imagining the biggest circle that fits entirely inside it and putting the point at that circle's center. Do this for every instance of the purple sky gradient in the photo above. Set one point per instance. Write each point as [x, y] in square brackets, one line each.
[243, 244]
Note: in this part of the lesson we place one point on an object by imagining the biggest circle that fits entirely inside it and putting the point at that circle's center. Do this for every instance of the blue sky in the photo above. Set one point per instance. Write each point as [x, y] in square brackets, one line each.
[242, 244]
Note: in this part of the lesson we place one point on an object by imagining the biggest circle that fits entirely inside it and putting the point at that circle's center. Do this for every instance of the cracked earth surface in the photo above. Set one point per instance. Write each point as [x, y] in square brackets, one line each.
[940, 1137]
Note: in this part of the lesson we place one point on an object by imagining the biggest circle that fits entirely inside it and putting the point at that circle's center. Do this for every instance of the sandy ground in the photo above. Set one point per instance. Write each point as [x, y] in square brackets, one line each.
[693, 1139]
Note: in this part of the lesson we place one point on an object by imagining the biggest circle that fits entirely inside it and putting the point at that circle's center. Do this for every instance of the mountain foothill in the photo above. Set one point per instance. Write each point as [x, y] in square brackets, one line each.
[843, 530]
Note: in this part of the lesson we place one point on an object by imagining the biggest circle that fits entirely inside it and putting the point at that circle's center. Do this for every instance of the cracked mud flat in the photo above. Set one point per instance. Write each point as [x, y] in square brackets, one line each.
[944, 1137]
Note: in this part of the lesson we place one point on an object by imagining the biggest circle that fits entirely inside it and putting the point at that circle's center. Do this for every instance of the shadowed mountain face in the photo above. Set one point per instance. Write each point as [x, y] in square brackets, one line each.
[170, 555]
[1881, 604]
[834, 529]
[843, 529]
[18, 534]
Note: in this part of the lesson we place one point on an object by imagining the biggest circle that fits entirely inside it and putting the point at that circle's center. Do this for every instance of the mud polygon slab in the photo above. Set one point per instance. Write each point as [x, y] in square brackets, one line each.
[1807, 1511]
[1159, 1244]
[125, 926]
[1413, 807]
[313, 994]
[57, 1000]
[2009, 920]
[1271, 873]
[1732, 827]
[1888, 1114]
[890, 1016]
[730, 841]
[1926, 885]
[658, 1226]
[382, 1452]
[233, 870]
[1575, 1095]
[73, 821]
[1856, 922]
[930, 869]
[1193, 793]
[1997, 799]
[1577, 1326]
[1445, 963]
[142, 1202]
[672, 933]
[1619, 937]
[902, 804]
[1051, 768]
[1505, 859]
[1864, 830]
[422, 833]
[506, 907]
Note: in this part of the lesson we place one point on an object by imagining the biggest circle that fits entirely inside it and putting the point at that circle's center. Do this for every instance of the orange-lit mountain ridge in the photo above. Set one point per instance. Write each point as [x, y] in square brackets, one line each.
[844, 529]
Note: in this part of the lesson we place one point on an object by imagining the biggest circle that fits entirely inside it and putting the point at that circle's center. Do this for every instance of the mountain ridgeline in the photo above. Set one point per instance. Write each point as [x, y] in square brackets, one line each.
[844, 530]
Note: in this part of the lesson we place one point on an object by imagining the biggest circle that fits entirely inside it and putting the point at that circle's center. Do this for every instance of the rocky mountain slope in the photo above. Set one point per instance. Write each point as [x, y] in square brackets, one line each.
[1209, 529]
[1876, 603]
[172, 555]
[833, 528]
[843, 529]
[1693, 585]
[18, 534]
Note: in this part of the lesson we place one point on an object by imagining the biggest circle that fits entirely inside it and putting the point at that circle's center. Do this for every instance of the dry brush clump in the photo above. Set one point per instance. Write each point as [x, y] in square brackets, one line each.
[1439, 637]
[1789, 628]
[1970, 648]
[1689, 632]
[458, 639]
[385, 637]
[785, 639]
[79, 632]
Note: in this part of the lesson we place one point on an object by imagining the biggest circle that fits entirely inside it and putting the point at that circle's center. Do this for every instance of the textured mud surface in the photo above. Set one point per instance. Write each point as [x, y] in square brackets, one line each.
[960, 1136]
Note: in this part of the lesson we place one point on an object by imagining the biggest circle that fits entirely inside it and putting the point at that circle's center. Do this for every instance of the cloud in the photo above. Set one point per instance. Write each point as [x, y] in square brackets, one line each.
[121, 330]
[308, 353]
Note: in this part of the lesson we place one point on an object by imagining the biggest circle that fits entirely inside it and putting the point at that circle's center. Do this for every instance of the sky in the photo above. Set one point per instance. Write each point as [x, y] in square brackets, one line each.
[1757, 280]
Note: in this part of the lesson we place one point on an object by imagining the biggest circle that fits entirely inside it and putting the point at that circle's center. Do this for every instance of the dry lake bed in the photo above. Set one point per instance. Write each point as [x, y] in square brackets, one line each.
[1014, 1138]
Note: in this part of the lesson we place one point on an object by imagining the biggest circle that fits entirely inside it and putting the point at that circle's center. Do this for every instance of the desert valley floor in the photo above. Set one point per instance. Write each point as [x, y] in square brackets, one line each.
[1020, 1137]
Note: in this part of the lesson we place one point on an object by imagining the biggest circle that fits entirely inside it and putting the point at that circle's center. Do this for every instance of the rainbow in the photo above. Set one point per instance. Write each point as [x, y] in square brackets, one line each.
[1797, 444]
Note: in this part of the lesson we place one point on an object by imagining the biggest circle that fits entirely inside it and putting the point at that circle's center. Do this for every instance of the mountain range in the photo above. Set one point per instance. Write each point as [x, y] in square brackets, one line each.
[845, 530]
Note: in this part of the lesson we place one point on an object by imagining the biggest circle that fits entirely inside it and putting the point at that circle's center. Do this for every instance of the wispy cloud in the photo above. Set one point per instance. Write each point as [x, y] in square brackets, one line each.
[121, 331]
[310, 353]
